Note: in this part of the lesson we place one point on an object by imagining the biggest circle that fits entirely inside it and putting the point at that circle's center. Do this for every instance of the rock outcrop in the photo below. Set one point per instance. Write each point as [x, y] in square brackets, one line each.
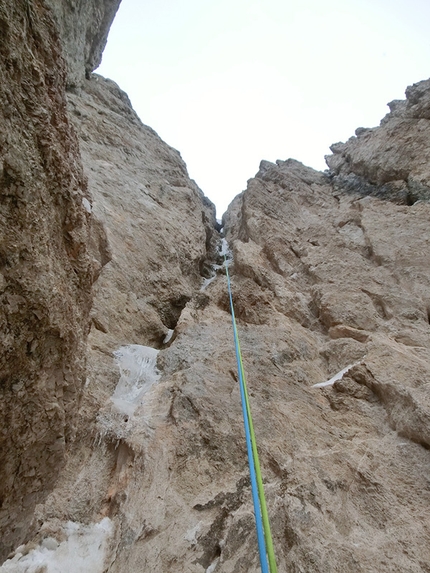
[83, 26]
[330, 274]
[391, 161]
[49, 258]
[160, 225]
[350, 277]
[53, 246]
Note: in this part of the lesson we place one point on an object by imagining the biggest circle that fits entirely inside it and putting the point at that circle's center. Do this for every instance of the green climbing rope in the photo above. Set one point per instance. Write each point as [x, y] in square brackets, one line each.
[266, 544]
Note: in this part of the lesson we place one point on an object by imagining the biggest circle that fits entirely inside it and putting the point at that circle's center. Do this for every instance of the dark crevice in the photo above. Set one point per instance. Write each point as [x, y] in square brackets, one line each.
[379, 304]
[170, 310]
[295, 251]
[227, 503]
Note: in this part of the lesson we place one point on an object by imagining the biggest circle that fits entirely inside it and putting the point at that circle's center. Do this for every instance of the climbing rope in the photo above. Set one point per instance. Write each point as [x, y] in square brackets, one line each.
[264, 536]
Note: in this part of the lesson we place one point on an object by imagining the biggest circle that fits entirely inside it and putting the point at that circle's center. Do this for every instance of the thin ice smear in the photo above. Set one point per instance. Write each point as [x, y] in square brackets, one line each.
[138, 368]
[224, 251]
[84, 550]
[336, 377]
[207, 282]
[213, 565]
[168, 336]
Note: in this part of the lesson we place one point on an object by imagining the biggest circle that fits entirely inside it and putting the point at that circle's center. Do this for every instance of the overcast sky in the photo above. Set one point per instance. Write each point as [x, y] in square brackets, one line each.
[231, 82]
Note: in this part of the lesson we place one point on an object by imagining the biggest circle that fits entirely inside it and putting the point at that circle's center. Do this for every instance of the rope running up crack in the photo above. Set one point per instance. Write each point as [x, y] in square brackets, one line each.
[264, 536]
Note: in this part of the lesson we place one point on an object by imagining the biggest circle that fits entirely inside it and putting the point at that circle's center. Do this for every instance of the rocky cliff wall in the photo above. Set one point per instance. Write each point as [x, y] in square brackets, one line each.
[329, 271]
[49, 258]
[83, 27]
[323, 278]
[160, 226]
[392, 160]
[53, 246]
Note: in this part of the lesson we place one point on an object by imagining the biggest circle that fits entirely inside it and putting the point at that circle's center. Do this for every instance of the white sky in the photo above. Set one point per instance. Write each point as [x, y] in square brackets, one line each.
[231, 82]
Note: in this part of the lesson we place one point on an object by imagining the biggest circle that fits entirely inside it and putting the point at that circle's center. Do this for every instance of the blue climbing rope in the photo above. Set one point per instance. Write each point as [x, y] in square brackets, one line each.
[246, 419]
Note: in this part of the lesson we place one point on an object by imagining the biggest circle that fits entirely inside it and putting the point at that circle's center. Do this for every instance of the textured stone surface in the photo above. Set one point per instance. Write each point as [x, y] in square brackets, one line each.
[324, 277]
[355, 273]
[83, 26]
[321, 280]
[47, 265]
[159, 224]
[391, 161]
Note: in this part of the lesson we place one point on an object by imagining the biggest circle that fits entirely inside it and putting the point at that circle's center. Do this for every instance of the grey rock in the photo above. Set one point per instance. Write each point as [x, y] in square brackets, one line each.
[83, 26]
[329, 274]
[51, 251]
[395, 151]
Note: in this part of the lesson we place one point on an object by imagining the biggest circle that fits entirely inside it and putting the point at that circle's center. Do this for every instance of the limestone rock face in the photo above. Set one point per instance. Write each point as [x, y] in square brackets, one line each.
[390, 161]
[324, 280]
[83, 26]
[343, 280]
[47, 265]
[331, 284]
[160, 228]
[159, 224]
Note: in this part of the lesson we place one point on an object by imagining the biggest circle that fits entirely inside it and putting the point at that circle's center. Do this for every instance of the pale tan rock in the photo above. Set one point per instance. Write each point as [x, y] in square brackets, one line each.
[323, 280]
[83, 28]
[344, 466]
[159, 224]
[50, 254]
[343, 331]
[391, 161]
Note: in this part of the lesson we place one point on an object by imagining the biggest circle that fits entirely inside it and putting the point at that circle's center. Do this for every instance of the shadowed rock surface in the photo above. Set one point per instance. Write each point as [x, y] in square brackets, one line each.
[329, 271]
[49, 258]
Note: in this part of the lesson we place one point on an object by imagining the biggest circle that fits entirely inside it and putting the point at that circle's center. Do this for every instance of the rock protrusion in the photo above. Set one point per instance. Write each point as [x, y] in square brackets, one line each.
[51, 251]
[83, 27]
[390, 161]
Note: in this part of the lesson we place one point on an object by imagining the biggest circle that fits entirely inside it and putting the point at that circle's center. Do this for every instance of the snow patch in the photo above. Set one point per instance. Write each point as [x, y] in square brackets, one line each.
[191, 534]
[86, 205]
[168, 336]
[138, 368]
[212, 566]
[207, 282]
[224, 249]
[336, 377]
[84, 551]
